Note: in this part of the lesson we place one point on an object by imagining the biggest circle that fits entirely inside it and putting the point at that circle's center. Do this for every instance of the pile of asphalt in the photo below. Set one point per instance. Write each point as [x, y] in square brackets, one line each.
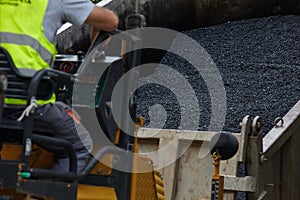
[259, 61]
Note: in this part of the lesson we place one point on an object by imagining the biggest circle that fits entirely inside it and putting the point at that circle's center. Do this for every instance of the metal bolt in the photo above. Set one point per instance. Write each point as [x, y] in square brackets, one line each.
[277, 120]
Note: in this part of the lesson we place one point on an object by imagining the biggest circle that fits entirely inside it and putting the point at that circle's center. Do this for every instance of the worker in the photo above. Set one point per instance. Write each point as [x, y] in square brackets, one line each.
[27, 32]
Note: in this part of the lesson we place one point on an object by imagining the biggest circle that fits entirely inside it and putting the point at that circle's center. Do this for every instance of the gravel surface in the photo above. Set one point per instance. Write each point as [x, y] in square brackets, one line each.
[259, 62]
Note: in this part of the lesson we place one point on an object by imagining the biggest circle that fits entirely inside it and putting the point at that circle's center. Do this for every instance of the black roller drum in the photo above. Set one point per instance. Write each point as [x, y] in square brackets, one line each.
[225, 144]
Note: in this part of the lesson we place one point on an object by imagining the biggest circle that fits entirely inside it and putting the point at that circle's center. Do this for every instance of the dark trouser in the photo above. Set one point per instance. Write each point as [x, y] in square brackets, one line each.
[56, 119]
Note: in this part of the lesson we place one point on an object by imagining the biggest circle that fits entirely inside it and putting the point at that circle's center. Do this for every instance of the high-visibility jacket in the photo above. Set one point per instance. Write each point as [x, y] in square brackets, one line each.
[22, 35]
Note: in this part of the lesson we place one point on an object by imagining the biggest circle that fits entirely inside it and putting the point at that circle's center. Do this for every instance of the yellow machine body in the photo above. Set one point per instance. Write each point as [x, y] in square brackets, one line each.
[145, 185]
[89, 192]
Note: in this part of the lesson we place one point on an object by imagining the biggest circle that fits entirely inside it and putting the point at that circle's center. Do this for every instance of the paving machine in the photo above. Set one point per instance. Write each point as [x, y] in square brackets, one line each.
[85, 82]
[88, 83]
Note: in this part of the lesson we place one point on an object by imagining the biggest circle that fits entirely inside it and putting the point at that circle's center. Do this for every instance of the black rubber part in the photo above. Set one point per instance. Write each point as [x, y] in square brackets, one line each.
[225, 144]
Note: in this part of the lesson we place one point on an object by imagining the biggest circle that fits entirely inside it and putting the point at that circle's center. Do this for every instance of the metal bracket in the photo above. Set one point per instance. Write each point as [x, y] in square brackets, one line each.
[244, 184]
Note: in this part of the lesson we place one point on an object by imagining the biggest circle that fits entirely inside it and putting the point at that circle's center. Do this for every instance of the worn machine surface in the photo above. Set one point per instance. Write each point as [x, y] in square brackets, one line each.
[270, 165]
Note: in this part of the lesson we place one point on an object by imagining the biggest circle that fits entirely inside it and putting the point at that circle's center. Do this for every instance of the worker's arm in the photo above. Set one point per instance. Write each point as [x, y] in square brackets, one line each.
[102, 19]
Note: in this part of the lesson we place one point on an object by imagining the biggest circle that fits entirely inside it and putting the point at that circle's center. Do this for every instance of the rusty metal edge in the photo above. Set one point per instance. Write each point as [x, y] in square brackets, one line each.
[277, 136]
